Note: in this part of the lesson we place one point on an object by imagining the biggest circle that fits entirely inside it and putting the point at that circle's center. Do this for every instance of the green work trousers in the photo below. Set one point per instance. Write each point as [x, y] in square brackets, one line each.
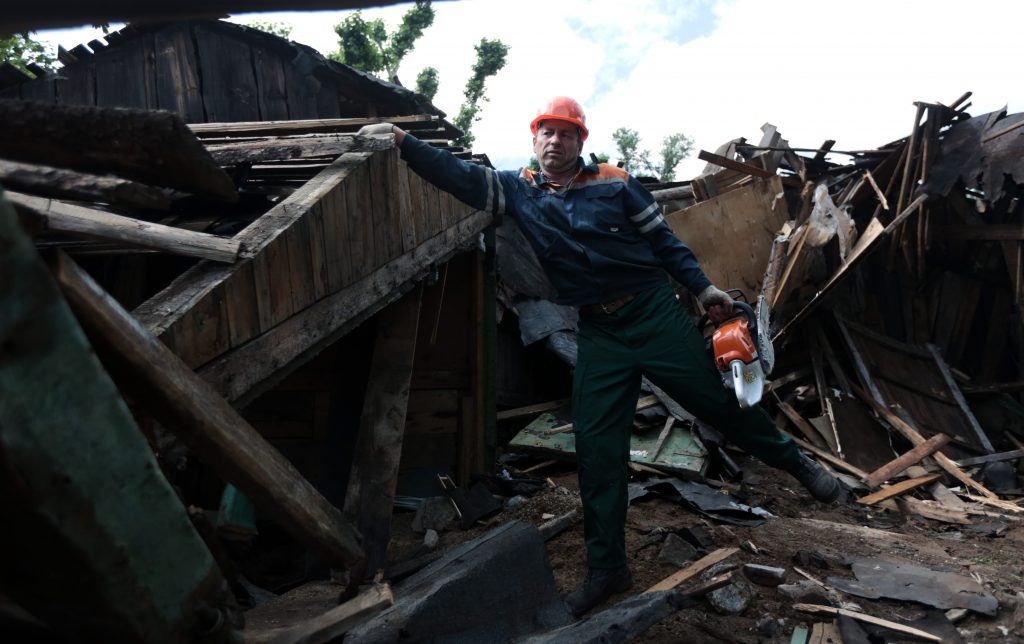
[651, 336]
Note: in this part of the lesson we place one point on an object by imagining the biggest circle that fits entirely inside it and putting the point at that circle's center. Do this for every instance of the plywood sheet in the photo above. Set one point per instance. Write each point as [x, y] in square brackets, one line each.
[732, 234]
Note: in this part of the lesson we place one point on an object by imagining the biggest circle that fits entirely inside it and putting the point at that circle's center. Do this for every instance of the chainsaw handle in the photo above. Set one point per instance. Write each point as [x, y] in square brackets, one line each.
[743, 308]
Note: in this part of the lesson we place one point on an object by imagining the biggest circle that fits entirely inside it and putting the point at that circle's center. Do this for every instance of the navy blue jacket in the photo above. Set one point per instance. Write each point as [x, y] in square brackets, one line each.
[602, 238]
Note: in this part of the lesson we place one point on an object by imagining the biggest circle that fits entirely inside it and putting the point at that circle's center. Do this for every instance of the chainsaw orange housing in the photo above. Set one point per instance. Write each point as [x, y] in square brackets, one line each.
[731, 341]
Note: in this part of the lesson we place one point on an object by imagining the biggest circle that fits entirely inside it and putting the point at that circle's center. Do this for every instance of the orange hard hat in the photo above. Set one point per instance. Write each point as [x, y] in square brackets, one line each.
[562, 108]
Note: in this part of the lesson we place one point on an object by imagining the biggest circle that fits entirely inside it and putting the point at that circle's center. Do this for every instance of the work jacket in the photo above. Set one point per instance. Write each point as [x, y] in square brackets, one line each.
[599, 239]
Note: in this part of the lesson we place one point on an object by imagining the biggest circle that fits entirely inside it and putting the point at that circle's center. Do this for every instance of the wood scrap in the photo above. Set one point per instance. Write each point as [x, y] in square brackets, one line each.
[49, 181]
[154, 147]
[915, 438]
[815, 609]
[692, 570]
[334, 623]
[897, 489]
[912, 457]
[531, 410]
[58, 216]
[206, 422]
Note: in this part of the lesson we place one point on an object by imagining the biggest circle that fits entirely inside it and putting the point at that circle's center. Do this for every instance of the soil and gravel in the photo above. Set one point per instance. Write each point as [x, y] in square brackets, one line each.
[816, 538]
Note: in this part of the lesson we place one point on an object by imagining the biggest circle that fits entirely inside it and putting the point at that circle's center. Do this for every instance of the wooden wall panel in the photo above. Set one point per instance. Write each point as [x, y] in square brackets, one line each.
[76, 84]
[300, 264]
[270, 85]
[228, 79]
[300, 94]
[333, 215]
[120, 79]
[359, 244]
[177, 74]
[242, 310]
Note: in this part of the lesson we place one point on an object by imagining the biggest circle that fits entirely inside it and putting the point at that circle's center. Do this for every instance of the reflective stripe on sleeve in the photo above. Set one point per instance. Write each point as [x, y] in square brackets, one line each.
[636, 219]
[646, 228]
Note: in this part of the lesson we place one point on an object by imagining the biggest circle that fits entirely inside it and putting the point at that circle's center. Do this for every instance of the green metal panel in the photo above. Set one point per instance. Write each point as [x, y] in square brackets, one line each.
[682, 453]
[95, 542]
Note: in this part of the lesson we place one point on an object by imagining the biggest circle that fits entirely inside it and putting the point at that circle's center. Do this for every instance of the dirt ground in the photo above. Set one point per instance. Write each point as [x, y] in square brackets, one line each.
[801, 530]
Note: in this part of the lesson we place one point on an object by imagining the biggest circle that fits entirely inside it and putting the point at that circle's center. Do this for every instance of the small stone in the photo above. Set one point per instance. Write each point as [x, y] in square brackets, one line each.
[547, 516]
[769, 626]
[515, 501]
[954, 615]
[435, 513]
[697, 536]
[676, 551]
[764, 575]
[810, 559]
[806, 592]
[430, 539]
[732, 599]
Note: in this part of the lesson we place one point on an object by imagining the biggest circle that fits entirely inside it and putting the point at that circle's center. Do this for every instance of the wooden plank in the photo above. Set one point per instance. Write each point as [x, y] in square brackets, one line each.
[63, 217]
[531, 410]
[732, 164]
[76, 84]
[271, 92]
[360, 244]
[151, 147]
[815, 609]
[808, 430]
[261, 289]
[93, 508]
[300, 266]
[119, 76]
[404, 206]
[317, 250]
[332, 625]
[209, 425]
[972, 422]
[241, 306]
[230, 93]
[749, 218]
[991, 458]
[49, 181]
[897, 489]
[986, 232]
[371, 488]
[334, 215]
[295, 147]
[253, 367]
[915, 438]
[825, 456]
[692, 570]
[177, 73]
[305, 125]
[911, 457]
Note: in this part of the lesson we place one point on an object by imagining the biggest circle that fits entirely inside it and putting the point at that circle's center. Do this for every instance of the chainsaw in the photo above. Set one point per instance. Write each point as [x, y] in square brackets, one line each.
[742, 350]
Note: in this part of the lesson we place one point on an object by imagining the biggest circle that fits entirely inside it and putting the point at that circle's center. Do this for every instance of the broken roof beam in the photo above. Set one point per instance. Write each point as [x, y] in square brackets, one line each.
[329, 256]
[149, 146]
[311, 126]
[207, 423]
[276, 149]
[60, 217]
[49, 181]
[93, 508]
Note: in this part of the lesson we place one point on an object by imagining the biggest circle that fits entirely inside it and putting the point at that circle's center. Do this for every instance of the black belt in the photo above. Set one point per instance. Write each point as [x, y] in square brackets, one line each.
[607, 308]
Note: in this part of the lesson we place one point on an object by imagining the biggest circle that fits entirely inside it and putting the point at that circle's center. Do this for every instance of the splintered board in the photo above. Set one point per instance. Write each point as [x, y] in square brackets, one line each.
[682, 453]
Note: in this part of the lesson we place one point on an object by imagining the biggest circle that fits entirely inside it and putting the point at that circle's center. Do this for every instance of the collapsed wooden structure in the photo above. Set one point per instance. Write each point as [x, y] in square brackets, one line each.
[222, 271]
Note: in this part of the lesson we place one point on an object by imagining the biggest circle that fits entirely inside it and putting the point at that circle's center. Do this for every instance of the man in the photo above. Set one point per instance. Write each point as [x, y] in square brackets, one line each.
[604, 244]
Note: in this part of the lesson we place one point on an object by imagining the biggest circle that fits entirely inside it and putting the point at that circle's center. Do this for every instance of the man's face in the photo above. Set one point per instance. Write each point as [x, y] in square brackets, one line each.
[557, 146]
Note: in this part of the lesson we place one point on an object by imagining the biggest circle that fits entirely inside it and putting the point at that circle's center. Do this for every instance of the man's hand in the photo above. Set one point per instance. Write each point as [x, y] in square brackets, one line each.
[376, 128]
[716, 302]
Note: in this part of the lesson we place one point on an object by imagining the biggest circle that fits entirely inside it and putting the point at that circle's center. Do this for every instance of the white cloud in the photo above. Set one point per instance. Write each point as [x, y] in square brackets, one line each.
[714, 70]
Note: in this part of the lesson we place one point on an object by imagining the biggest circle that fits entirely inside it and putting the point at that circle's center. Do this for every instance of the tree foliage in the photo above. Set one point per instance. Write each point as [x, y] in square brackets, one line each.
[21, 49]
[674, 148]
[280, 29]
[427, 82]
[491, 56]
[367, 45]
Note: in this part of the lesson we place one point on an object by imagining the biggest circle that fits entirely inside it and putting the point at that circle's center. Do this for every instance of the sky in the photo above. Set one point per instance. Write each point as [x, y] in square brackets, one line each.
[713, 70]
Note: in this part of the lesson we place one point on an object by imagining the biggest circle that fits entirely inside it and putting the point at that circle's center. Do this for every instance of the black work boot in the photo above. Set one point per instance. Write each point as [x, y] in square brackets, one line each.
[820, 483]
[599, 585]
